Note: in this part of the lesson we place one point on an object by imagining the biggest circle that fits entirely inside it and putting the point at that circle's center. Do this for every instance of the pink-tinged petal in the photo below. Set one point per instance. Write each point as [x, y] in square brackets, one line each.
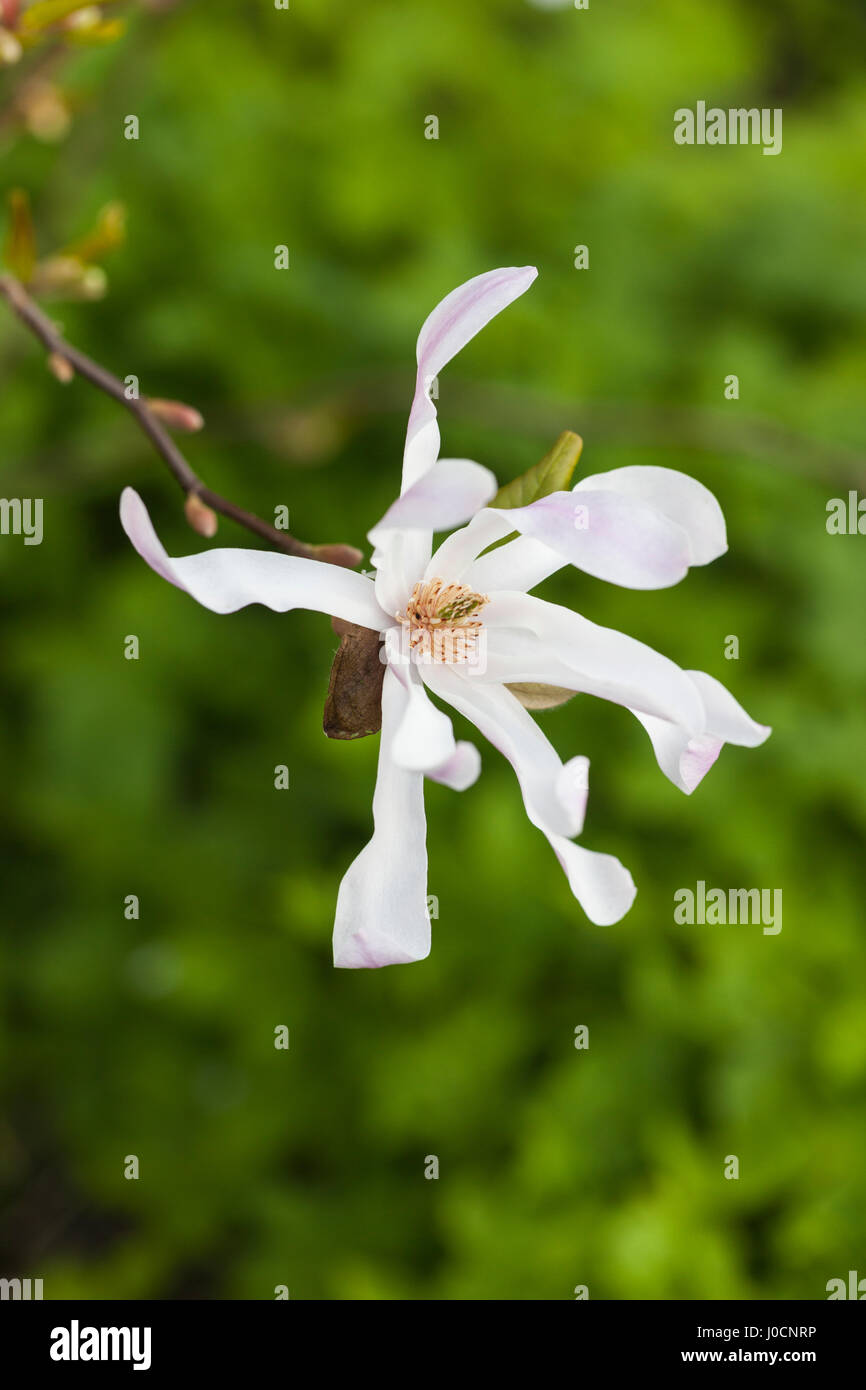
[640, 527]
[686, 758]
[612, 537]
[424, 739]
[529, 639]
[448, 494]
[226, 580]
[382, 916]
[461, 770]
[572, 790]
[683, 758]
[451, 325]
[554, 794]
[682, 499]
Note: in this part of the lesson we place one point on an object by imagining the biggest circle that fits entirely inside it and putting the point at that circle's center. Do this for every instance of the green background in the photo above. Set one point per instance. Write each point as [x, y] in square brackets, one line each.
[154, 1037]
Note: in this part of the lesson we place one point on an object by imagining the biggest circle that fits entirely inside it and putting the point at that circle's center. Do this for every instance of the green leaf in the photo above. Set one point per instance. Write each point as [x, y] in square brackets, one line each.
[46, 12]
[552, 474]
[19, 249]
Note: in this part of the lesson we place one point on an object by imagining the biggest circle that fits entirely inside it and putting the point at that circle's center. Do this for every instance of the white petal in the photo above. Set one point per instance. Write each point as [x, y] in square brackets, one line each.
[725, 717]
[519, 564]
[382, 916]
[528, 639]
[677, 496]
[461, 770]
[602, 885]
[549, 797]
[448, 494]
[554, 794]
[400, 559]
[457, 552]
[425, 738]
[451, 325]
[686, 758]
[226, 580]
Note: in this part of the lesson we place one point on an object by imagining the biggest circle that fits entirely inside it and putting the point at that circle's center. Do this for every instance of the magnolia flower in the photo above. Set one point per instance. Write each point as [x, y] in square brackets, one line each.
[459, 624]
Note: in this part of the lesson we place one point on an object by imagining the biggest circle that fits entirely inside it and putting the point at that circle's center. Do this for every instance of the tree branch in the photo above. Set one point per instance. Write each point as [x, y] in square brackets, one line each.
[42, 328]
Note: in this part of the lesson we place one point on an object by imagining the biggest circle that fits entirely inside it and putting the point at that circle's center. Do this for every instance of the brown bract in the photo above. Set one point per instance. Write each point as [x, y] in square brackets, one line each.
[353, 706]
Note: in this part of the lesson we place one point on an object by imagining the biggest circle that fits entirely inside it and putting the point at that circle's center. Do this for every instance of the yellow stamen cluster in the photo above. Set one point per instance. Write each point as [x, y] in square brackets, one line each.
[439, 621]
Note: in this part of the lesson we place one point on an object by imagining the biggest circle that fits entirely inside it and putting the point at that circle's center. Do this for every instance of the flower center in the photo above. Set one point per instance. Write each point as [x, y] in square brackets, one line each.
[440, 623]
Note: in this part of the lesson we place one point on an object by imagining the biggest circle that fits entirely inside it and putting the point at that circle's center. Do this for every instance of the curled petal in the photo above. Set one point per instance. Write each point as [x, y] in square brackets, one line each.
[461, 770]
[226, 580]
[686, 758]
[381, 916]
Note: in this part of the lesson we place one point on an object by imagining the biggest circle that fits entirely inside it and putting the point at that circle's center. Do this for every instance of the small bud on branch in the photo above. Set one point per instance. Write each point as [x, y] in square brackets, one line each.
[42, 328]
[177, 415]
[60, 367]
[201, 518]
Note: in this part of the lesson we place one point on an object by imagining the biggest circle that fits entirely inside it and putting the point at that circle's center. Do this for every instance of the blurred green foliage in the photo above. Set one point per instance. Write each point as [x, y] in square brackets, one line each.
[155, 1037]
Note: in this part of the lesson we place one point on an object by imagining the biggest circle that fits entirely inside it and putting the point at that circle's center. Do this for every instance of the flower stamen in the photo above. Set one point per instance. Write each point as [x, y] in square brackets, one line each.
[439, 621]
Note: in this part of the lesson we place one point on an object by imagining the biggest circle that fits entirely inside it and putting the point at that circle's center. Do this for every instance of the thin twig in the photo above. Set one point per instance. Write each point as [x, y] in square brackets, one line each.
[41, 326]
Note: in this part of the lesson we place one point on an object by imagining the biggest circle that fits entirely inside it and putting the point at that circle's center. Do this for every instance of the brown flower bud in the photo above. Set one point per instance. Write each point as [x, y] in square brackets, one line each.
[345, 555]
[61, 367]
[177, 415]
[200, 517]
